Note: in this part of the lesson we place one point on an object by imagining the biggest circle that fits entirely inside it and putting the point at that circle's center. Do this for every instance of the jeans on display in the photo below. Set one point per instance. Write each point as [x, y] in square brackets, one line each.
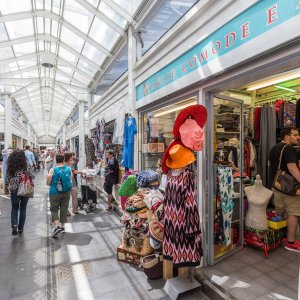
[18, 204]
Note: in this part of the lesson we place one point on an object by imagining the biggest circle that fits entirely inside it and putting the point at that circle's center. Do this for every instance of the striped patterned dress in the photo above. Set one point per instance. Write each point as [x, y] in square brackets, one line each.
[182, 234]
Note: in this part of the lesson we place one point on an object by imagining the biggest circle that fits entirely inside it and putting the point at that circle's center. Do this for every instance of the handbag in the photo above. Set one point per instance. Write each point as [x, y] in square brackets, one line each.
[284, 182]
[153, 265]
[26, 187]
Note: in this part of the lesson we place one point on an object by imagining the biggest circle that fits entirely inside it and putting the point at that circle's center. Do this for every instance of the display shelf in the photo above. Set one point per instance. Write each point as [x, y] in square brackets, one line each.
[225, 114]
[228, 132]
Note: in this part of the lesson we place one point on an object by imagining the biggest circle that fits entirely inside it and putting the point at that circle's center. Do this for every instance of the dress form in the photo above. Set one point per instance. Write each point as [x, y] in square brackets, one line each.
[176, 172]
[258, 197]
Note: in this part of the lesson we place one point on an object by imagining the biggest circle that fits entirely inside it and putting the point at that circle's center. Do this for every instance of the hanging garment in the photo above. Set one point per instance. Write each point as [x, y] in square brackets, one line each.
[99, 138]
[257, 112]
[118, 135]
[90, 151]
[130, 130]
[154, 126]
[182, 234]
[267, 140]
[298, 114]
[289, 114]
[225, 180]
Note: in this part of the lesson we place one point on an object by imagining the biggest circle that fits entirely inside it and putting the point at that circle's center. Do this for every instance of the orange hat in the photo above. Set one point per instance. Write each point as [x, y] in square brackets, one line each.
[191, 135]
[179, 157]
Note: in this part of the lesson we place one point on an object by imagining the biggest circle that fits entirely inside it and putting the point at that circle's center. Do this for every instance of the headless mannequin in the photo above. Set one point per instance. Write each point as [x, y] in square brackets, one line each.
[258, 197]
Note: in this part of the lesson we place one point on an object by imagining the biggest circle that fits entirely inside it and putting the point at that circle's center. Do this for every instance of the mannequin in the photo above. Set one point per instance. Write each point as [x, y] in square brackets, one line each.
[258, 197]
[182, 234]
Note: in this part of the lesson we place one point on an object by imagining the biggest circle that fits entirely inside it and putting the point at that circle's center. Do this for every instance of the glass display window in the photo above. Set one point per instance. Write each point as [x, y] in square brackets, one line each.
[158, 132]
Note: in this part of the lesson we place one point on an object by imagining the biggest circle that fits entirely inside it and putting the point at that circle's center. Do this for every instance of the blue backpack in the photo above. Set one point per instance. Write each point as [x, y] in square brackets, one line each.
[64, 183]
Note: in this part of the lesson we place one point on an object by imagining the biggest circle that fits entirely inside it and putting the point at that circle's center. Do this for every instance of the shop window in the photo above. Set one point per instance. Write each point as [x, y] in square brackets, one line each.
[158, 132]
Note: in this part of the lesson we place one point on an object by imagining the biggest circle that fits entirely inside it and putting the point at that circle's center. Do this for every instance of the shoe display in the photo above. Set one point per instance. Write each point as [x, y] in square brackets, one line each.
[56, 231]
[14, 230]
[292, 247]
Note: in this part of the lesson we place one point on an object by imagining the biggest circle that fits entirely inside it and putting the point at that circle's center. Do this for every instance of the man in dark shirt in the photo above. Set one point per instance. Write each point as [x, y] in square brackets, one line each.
[286, 203]
[111, 176]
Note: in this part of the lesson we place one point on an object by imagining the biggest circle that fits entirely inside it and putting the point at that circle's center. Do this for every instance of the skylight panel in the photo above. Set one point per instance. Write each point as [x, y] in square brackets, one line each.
[129, 5]
[39, 4]
[81, 78]
[19, 28]
[77, 15]
[56, 6]
[66, 55]
[93, 54]
[4, 68]
[27, 63]
[14, 6]
[103, 34]
[71, 39]
[109, 12]
[93, 2]
[5, 53]
[40, 25]
[3, 34]
[24, 48]
[87, 67]
[54, 28]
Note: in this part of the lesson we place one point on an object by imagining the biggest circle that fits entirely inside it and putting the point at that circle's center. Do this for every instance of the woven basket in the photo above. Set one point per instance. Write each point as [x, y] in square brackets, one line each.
[153, 265]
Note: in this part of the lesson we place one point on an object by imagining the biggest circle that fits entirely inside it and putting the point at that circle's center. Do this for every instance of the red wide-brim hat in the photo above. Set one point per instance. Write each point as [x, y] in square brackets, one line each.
[197, 112]
[164, 166]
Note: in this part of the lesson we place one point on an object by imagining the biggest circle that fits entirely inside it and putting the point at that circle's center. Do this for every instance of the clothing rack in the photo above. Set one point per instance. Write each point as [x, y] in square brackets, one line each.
[275, 99]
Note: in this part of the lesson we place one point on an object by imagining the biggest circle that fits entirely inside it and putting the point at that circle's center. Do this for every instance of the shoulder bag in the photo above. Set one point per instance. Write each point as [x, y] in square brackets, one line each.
[284, 182]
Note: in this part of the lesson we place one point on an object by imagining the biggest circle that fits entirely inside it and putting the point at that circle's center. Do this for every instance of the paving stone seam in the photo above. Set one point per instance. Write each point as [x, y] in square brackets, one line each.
[51, 274]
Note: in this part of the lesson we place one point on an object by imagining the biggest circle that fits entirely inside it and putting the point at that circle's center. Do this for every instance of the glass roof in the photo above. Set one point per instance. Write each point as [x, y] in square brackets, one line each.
[75, 36]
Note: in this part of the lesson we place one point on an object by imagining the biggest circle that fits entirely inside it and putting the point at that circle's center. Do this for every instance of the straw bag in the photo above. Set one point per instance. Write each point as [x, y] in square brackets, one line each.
[284, 182]
[136, 242]
[153, 265]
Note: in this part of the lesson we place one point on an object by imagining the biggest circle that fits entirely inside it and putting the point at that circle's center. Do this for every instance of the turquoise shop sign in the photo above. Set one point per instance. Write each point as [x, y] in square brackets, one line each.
[253, 22]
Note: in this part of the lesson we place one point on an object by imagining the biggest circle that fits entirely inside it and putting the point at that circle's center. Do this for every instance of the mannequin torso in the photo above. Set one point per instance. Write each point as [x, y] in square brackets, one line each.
[258, 197]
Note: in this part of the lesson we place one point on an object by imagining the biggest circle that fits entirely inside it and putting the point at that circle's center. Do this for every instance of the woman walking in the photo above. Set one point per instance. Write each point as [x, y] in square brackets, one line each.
[17, 166]
[74, 191]
[59, 179]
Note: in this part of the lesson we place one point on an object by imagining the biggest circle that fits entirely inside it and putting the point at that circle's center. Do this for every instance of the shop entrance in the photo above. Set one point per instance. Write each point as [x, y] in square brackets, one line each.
[246, 122]
[226, 116]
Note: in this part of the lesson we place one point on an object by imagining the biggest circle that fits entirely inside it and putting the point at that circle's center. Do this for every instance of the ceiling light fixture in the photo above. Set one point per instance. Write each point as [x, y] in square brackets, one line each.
[273, 81]
[173, 109]
[285, 88]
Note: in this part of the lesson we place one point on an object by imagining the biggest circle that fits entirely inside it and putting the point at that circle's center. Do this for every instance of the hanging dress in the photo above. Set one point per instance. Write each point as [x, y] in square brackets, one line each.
[130, 130]
[182, 234]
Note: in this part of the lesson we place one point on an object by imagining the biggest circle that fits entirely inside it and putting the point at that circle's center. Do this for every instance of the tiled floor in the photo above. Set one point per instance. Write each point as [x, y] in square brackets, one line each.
[84, 264]
[249, 275]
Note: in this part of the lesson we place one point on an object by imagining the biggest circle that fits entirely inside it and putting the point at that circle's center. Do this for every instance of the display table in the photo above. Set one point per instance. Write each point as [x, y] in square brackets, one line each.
[264, 239]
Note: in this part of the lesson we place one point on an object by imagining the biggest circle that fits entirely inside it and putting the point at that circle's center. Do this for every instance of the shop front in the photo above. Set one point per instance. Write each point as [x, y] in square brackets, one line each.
[254, 97]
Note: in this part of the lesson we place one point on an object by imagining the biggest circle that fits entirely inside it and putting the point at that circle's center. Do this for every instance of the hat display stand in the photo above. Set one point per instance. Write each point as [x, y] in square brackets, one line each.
[179, 280]
[177, 157]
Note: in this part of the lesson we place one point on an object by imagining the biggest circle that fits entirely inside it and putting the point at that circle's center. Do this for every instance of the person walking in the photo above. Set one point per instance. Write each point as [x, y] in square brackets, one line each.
[285, 203]
[42, 158]
[74, 191]
[111, 176]
[30, 157]
[59, 180]
[17, 166]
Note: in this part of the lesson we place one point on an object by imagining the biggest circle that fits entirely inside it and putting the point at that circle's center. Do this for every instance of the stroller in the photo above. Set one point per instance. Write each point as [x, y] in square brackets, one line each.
[88, 198]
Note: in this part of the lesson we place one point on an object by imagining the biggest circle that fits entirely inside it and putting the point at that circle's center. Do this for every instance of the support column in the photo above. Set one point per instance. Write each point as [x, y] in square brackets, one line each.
[90, 103]
[131, 86]
[21, 122]
[82, 157]
[28, 135]
[8, 122]
[64, 136]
